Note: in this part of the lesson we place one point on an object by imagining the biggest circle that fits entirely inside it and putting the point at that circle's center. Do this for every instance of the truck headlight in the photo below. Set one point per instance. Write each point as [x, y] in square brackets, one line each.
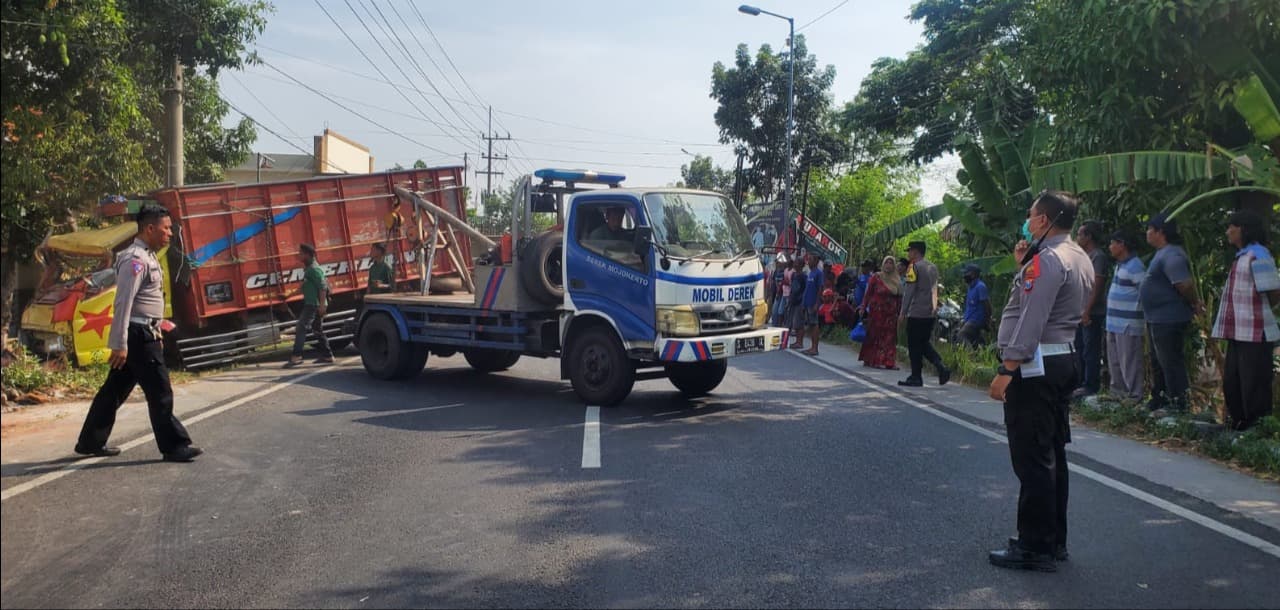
[761, 314]
[678, 321]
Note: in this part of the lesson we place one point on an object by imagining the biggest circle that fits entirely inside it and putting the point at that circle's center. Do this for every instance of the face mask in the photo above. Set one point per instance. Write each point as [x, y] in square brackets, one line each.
[1026, 231]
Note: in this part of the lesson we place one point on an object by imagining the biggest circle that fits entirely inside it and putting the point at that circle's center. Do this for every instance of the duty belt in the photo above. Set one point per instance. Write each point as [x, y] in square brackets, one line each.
[1056, 349]
[143, 320]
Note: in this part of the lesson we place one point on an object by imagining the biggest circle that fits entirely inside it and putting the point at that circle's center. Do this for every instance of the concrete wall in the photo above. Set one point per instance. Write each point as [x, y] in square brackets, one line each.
[336, 154]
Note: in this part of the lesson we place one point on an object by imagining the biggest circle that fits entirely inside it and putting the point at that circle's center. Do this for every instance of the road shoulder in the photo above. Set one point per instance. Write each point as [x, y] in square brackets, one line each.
[1198, 478]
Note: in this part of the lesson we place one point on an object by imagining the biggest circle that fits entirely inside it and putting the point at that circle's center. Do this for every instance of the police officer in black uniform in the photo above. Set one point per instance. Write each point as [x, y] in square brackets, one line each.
[137, 351]
[1038, 372]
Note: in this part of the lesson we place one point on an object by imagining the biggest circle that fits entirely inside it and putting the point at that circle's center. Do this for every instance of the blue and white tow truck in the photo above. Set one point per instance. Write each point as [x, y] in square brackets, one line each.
[626, 285]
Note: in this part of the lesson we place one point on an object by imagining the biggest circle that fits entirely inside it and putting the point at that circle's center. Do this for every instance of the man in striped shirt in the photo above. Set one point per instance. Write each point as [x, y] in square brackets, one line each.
[1124, 320]
[1246, 321]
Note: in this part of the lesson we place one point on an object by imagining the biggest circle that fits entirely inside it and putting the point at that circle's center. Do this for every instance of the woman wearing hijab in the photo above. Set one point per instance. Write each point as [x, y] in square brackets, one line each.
[880, 314]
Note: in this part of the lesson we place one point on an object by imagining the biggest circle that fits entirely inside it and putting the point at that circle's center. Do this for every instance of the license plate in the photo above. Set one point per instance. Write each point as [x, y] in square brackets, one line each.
[748, 344]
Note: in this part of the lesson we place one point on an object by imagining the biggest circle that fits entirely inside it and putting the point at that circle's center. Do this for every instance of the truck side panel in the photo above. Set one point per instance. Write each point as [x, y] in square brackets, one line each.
[241, 241]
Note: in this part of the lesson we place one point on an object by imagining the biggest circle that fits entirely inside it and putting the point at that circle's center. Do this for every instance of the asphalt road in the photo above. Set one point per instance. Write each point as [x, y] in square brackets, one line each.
[791, 486]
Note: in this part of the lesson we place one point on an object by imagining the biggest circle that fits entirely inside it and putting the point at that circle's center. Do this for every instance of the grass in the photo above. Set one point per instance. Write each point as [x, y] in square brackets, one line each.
[29, 373]
[1256, 449]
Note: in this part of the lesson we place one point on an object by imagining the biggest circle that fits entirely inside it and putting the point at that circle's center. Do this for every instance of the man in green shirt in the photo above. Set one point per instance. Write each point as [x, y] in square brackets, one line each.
[315, 302]
[381, 278]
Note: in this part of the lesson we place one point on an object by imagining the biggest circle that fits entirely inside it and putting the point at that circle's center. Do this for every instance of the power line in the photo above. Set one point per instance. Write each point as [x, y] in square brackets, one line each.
[418, 41]
[819, 18]
[264, 105]
[412, 117]
[387, 81]
[407, 79]
[582, 163]
[465, 82]
[276, 134]
[371, 62]
[391, 32]
[349, 109]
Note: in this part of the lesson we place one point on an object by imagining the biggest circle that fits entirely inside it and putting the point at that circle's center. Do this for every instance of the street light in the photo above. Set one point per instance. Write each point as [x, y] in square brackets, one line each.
[791, 83]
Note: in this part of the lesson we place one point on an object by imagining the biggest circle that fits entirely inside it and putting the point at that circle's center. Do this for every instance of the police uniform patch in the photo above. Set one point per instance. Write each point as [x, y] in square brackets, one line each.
[138, 267]
[1031, 273]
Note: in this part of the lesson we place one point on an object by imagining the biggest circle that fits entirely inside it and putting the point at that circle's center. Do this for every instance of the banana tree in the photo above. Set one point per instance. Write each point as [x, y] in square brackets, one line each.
[1252, 91]
[997, 173]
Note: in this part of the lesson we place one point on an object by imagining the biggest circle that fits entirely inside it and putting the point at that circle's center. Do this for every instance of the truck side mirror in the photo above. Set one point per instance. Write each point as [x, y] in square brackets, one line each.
[644, 237]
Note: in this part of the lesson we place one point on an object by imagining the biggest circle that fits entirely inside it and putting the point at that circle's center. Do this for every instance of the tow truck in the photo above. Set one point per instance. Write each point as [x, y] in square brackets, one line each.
[626, 284]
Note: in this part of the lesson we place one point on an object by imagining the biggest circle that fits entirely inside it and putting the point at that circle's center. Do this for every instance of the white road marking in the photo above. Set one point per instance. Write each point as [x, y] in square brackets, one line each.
[45, 479]
[591, 439]
[1189, 515]
[437, 408]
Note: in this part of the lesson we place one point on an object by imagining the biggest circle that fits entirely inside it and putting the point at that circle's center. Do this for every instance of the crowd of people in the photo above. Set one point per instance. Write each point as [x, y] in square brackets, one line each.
[1133, 314]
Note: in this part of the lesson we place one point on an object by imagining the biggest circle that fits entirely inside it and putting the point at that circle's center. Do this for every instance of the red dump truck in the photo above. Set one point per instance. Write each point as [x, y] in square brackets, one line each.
[232, 270]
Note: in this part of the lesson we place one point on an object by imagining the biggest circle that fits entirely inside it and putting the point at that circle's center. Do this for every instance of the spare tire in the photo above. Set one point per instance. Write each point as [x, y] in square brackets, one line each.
[542, 268]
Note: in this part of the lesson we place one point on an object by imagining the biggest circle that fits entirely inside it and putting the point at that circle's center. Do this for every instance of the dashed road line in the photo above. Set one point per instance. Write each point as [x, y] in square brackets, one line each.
[1133, 492]
[591, 439]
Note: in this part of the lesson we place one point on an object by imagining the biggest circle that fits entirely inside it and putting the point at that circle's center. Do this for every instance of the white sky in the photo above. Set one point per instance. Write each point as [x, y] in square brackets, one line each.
[619, 85]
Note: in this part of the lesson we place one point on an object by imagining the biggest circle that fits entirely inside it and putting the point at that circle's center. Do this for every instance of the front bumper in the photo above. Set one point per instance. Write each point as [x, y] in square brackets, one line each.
[699, 349]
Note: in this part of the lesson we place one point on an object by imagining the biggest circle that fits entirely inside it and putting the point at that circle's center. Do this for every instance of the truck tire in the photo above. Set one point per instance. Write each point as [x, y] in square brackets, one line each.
[412, 361]
[599, 369]
[542, 268]
[699, 378]
[381, 350]
[491, 360]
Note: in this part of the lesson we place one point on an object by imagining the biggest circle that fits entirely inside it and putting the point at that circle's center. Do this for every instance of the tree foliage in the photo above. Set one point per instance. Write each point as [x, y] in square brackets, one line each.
[853, 206]
[752, 112]
[83, 92]
[928, 97]
[702, 174]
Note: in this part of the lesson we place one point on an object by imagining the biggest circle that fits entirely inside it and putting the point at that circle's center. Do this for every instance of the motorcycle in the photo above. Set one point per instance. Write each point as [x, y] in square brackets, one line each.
[950, 315]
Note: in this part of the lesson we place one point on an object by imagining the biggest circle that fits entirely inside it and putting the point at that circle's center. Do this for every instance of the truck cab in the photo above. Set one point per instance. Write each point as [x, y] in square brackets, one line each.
[667, 275]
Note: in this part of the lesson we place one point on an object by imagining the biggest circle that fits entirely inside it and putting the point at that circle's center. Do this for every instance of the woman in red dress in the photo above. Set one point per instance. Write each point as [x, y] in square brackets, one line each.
[880, 316]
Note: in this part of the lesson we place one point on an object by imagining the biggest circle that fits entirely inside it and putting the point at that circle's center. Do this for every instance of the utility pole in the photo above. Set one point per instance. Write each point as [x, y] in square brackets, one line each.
[488, 172]
[738, 182]
[176, 176]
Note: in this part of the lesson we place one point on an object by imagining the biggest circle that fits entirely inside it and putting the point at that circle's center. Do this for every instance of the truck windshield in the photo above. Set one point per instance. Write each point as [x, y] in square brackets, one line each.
[695, 225]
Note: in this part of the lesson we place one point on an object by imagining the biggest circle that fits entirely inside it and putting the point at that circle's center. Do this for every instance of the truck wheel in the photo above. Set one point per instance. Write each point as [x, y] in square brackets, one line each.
[412, 360]
[491, 360]
[381, 349]
[697, 379]
[599, 369]
[542, 267]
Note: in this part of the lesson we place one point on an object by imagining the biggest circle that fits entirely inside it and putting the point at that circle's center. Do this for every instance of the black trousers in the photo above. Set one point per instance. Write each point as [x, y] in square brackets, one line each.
[1246, 383]
[1090, 345]
[144, 367]
[1037, 419]
[920, 345]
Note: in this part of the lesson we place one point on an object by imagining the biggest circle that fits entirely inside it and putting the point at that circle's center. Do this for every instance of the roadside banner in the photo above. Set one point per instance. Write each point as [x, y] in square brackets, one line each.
[815, 239]
[770, 231]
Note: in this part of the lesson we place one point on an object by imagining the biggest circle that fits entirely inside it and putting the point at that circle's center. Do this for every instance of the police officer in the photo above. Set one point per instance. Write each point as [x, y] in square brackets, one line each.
[1038, 372]
[137, 352]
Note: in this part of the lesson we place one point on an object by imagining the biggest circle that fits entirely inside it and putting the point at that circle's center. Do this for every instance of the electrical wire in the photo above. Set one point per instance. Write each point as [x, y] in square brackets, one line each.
[394, 35]
[819, 17]
[430, 57]
[277, 134]
[360, 50]
[354, 112]
[264, 105]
